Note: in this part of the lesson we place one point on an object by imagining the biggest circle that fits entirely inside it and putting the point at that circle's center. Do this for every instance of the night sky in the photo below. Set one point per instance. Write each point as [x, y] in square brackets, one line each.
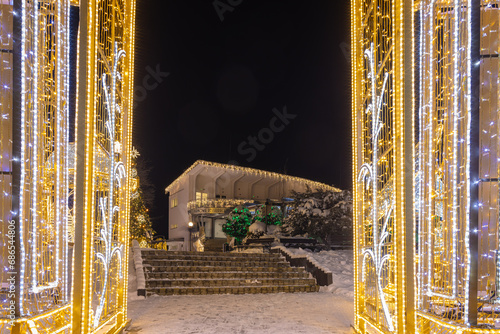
[228, 78]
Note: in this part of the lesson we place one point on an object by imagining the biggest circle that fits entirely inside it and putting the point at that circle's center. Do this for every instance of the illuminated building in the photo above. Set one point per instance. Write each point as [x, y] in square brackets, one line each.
[207, 191]
[426, 165]
[47, 284]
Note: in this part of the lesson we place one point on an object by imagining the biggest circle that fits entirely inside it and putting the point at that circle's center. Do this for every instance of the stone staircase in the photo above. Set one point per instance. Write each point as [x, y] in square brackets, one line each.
[214, 245]
[191, 273]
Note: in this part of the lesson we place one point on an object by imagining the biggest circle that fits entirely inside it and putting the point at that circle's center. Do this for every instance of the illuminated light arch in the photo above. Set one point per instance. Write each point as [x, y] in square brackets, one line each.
[34, 107]
[458, 213]
[456, 167]
[382, 104]
[37, 163]
[444, 121]
[104, 145]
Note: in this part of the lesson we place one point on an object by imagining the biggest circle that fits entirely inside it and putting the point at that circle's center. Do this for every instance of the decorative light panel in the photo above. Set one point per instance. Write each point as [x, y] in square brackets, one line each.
[34, 177]
[104, 140]
[456, 223]
[39, 216]
[381, 37]
[489, 166]
[5, 150]
[460, 141]
[444, 117]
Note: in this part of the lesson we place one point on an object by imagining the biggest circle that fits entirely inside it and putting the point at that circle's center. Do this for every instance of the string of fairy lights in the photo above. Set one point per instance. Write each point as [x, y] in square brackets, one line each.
[250, 171]
[375, 253]
[443, 256]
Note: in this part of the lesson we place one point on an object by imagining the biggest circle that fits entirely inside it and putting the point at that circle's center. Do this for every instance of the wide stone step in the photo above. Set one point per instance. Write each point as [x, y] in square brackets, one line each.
[300, 273]
[154, 252]
[231, 290]
[284, 267]
[203, 263]
[210, 258]
[157, 283]
[193, 273]
[215, 245]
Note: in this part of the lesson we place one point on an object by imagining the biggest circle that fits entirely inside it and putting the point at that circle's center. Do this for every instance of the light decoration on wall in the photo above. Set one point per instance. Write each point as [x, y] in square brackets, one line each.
[218, 203]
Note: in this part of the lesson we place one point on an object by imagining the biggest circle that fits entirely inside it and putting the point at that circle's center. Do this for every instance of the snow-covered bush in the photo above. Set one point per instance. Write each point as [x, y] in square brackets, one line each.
[269, 215]
[324, 215]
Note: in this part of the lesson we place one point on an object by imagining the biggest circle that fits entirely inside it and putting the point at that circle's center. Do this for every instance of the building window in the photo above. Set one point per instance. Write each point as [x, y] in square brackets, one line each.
[173, 227]
[174, 202]
[201, 197]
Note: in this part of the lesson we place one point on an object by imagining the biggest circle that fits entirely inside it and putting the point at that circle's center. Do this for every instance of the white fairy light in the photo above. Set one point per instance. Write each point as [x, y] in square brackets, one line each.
[107, 206]
[369, 172]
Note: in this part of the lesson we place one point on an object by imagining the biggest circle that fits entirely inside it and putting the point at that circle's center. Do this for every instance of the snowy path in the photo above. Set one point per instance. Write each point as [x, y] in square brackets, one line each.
[307, 313]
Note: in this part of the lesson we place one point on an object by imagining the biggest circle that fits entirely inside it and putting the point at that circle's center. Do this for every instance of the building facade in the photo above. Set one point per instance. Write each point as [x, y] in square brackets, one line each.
[206, 192]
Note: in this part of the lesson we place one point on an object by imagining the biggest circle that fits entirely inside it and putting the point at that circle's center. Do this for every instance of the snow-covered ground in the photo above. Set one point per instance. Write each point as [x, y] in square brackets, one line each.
[339, 263]
[328, 311]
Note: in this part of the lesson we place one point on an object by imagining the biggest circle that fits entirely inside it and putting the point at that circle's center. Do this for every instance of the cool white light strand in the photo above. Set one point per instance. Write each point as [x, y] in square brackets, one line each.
[117, 170]
[377, 125]
[22, 162]
[468, 139]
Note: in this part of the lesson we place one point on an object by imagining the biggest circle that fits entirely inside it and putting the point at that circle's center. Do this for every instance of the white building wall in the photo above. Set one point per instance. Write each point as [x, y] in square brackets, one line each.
[178, 216]
[205, 183]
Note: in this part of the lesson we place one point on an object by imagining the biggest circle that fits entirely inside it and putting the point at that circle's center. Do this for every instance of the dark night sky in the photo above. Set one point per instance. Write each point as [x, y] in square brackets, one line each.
[227, 76]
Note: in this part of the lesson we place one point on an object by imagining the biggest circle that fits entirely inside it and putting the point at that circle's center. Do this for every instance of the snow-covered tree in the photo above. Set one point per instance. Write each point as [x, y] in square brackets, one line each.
[141, 227]
[269, 215]
[323, 215]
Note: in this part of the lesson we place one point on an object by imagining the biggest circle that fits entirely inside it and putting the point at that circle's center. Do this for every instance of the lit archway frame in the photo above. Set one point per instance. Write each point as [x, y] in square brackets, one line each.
[383, 164]
[458, 219]
[34, 103]
[443, 273]
[103, 164]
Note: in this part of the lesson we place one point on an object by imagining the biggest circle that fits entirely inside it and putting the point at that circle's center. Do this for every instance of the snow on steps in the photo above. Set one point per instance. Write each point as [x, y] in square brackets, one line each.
[192, 273]
[322, 274]
[139, 269]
